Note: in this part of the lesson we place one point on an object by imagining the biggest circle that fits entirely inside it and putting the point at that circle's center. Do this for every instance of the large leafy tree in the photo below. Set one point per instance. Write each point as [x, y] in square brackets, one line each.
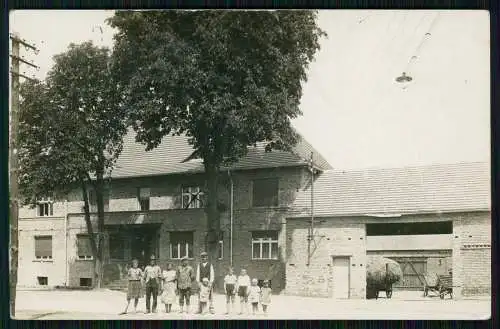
[226, 79]
[71, 133]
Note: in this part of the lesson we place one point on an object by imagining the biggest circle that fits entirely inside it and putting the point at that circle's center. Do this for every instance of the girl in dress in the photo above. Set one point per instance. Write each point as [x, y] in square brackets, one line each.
[265, 296]
[254, 296]
[169, 285]
[204, 295]
[134, 285]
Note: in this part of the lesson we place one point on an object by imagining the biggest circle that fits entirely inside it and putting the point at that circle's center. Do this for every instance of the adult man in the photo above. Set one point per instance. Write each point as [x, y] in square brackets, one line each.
[185, 278]
[152, 275]
[206, 270]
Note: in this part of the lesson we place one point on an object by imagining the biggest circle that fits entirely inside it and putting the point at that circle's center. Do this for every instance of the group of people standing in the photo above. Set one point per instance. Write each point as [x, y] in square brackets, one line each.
[171, 284]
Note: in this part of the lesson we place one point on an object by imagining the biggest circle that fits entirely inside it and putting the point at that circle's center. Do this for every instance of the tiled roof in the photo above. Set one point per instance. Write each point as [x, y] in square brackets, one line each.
[169, 158]
[410, 190]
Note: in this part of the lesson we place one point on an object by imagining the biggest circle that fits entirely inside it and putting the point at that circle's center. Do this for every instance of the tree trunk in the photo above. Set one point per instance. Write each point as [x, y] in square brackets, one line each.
[99, 187]
[212, 212]
[90, 230]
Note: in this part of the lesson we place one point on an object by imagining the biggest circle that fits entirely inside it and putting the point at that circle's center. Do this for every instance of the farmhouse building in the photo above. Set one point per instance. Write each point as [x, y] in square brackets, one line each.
[432, 218]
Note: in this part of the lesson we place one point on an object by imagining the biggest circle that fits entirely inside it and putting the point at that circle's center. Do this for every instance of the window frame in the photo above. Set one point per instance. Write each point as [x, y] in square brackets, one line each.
[141, 198]
[193, 190]
[45, 202]
[83, 257]
[269, 241]
[44, 258]
[186, 245]
[275, 204]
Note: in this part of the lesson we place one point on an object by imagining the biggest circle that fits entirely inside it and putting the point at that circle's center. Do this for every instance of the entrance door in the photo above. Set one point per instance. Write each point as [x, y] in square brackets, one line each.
[341, 278]
[144, 243]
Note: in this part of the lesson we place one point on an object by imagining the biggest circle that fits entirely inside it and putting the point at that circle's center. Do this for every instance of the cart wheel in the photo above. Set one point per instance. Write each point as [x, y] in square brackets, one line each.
[388, 293]
[441, 295]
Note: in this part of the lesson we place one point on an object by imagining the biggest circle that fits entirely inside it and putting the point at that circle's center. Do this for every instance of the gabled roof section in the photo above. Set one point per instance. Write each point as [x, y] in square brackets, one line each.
[411, 190]
[170, 158]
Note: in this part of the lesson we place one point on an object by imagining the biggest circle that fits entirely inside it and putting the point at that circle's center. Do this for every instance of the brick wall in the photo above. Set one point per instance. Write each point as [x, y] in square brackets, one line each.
[334, 237]
[472, 254]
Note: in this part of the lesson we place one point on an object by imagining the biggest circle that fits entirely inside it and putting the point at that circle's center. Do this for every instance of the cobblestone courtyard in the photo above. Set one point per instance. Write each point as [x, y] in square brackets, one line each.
[107, 304]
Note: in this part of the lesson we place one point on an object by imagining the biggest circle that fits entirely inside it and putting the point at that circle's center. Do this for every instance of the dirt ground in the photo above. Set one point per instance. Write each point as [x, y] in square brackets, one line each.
[107, 304]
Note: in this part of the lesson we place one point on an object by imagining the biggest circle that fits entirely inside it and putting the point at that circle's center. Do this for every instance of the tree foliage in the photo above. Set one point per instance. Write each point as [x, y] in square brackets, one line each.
[71, 130]
[226, 79]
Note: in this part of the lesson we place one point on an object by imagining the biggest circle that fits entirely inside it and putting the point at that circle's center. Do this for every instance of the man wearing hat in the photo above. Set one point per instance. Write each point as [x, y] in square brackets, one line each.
[185, 278]
[152, 275]
[206, 270]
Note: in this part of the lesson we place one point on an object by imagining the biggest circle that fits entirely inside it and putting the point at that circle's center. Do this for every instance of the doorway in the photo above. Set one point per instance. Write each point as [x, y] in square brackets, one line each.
[144, 242]
[341, 277]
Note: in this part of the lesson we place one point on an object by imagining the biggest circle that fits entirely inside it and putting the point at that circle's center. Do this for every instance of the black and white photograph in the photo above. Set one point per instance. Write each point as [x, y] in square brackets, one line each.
[249, 164]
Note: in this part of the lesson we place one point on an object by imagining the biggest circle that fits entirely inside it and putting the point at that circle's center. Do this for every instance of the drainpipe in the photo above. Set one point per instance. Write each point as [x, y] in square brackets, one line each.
[231, 220]
[66, 267]
[311, 227]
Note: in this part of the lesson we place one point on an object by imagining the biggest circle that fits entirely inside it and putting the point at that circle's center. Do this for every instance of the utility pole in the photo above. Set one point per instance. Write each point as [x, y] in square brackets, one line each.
[13, 163]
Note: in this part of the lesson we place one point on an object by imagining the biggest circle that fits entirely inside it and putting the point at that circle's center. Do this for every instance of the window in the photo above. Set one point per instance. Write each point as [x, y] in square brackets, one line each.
[143, 196]
[45, 207]
[379, 229]
[265, 192]
[43, 247]
[192, 197]
[181, 245]
[85, 282]
[221, 249]
[84, 249]
[116, 247]
[42, 280]
[265, 245]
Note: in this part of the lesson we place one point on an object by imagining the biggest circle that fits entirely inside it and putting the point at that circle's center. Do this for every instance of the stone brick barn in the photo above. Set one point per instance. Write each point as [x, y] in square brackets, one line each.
[433, 219]
[427, 218]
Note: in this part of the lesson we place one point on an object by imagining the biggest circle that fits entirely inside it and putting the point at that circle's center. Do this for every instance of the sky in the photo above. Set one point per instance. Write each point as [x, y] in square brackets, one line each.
[354, 112]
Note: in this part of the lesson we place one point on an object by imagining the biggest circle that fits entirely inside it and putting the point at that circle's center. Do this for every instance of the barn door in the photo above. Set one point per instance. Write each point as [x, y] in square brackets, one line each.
[413, 269]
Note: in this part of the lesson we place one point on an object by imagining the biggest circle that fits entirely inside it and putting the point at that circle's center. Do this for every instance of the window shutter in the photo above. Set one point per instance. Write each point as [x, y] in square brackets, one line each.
[43, 246]
[83, 245]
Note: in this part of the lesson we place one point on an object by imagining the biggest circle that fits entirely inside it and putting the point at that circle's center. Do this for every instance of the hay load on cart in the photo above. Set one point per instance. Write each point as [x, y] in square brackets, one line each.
[381, 274]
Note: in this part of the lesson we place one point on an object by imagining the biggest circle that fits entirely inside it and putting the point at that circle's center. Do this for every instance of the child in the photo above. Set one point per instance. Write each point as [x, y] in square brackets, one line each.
[230, 289]
[243, 285]
[134, 285]
[169, 286]
[265, 296]
[204, 295]
[254, 296]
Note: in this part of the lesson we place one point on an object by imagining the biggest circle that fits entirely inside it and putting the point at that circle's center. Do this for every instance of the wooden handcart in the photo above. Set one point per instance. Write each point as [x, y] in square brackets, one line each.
[445, 284]
[440, 284]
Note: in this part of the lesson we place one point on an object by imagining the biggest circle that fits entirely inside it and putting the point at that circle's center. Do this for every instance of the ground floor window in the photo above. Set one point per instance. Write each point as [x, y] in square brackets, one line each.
[84, 249]
[43, 247]
[181, 245]
[42, 280]
[265, 245]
